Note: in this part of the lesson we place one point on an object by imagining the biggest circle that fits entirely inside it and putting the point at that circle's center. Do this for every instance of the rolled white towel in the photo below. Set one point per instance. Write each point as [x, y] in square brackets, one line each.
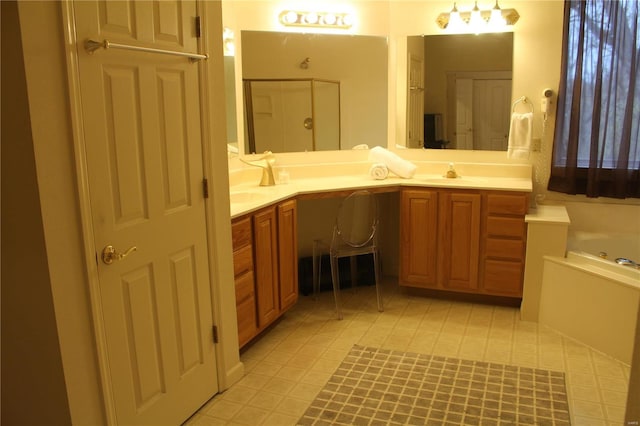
[396, 164]
[379, 171]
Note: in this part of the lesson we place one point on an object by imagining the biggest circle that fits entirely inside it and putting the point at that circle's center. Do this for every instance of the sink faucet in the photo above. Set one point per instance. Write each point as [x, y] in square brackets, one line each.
[266, 163]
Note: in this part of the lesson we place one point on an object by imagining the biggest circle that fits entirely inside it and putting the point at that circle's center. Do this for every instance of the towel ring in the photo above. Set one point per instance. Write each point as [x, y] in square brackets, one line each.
[524, 101]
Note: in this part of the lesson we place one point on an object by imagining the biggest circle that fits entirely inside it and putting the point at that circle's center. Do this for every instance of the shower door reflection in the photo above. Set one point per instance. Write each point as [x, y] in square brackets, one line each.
[292, 115]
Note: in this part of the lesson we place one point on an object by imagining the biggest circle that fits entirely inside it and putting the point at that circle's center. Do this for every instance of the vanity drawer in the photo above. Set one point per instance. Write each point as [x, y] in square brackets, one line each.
[503, 278]
[241, 233]
[505, 249]
[244, 287]
[498, 226]
[243, 260]
[514, 204]
[247, 322]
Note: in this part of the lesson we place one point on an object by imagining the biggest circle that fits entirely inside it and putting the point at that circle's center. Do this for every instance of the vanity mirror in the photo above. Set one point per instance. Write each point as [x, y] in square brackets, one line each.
[340, 79]
[459, 91]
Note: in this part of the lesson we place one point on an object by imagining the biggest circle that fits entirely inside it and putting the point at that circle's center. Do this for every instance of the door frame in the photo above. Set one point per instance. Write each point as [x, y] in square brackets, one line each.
[229, 370]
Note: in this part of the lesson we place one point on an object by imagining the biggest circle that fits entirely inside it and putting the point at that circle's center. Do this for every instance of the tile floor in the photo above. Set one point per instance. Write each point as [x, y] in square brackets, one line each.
[291, 362]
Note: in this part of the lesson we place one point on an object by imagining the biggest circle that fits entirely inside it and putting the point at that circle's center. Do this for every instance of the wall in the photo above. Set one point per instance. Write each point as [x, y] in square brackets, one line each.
[31, 359]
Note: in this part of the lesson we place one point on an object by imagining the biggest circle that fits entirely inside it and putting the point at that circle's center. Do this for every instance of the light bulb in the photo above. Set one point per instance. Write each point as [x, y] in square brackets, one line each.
[496, 20]
[476, 22]
[455, 21]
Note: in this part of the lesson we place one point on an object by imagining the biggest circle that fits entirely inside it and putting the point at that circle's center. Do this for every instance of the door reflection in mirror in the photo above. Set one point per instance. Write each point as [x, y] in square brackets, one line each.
[292, 115]
[467, 87]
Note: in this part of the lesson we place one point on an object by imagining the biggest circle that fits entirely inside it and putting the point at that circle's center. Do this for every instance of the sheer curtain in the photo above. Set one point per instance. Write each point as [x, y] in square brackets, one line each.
[596, 150]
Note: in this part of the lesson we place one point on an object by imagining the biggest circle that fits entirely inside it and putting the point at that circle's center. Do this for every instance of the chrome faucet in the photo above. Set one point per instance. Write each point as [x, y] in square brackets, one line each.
[627, 262]
[266, 163]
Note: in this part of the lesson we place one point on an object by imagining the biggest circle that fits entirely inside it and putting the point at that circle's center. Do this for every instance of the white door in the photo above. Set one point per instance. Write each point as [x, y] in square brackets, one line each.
[142, 133]
[415, 107]
[491, 111]
[464, 113]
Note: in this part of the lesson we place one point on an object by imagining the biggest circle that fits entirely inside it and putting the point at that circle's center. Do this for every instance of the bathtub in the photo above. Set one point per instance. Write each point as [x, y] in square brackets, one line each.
[591, 299]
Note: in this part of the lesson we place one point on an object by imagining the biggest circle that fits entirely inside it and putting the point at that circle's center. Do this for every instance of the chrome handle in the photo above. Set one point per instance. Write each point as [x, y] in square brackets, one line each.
[110, 254]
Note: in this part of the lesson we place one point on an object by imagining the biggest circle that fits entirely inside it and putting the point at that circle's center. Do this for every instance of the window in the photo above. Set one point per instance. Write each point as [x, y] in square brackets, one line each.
[596, 150]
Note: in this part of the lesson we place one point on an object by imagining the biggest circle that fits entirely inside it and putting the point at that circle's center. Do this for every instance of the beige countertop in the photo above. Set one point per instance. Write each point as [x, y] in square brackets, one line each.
[247, 196]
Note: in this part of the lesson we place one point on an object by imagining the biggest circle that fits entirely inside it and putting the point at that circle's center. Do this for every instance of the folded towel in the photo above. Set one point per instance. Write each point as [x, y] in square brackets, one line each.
[361, 146]
[520, 134]
[396, 164]
[379, 171]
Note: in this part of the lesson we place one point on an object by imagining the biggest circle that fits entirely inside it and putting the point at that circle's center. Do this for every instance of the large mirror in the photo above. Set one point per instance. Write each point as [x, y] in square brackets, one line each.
[459, 91]
[340, 79]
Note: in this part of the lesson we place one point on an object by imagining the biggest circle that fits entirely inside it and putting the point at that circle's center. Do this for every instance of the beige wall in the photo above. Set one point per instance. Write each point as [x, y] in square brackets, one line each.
[31, 359]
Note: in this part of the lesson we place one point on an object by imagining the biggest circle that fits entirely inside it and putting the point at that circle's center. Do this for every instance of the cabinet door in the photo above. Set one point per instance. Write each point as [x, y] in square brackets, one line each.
[418, 233]
[288, 253]
[459, 240]
[266, 266]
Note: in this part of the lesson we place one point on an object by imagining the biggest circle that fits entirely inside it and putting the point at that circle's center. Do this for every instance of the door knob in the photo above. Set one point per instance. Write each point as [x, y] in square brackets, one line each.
[110, 254]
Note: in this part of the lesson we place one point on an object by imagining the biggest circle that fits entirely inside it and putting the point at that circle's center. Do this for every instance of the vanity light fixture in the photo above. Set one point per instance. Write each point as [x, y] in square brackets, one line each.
[477, 20]
[293, 18]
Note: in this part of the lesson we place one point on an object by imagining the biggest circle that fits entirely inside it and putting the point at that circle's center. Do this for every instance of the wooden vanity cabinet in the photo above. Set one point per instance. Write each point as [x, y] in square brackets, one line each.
[440, 233]
[459, 240]
[470, 241]
[243, 270]
[418, 237]
[265, 256]
[265, 243]
[288, 253]
[504, 241]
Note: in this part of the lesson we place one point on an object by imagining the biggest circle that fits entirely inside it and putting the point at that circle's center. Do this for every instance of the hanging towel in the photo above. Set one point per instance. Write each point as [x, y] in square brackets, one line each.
[395, 164]
[520, 134]
[379, 171]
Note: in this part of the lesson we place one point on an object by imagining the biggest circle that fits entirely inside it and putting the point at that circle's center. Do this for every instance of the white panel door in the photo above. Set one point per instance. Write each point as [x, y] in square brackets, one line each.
[142, 131]
[464, 113]
[491, 112]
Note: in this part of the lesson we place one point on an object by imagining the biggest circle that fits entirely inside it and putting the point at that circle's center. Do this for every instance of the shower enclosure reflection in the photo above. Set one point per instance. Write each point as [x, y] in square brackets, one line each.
[291, 115]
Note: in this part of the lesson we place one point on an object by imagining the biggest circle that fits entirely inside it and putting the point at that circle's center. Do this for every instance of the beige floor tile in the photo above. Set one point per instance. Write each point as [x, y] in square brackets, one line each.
[291, 373]
[585, 393]
[588, 421]
[279, 419]
[581, 379]
[292, 406]
[203, 420]
[587, 409]
[615, 414]
[239, 393]
[611, 397]
[306, 391]
[279, 386]
[250, 416]
[613, 383]
[254, 381]
[266, 400]
[223, 409]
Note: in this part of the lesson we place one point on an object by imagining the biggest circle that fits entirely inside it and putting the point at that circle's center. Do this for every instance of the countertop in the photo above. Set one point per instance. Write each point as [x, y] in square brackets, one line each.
[246, 197]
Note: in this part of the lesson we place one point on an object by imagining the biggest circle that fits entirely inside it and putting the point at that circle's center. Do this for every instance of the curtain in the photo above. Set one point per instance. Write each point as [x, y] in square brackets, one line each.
[596, 150]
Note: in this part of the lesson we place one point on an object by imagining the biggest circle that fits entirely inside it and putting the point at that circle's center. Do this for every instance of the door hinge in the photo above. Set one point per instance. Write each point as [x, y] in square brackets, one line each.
[205, 188]
[198, 27]
[215, 334]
